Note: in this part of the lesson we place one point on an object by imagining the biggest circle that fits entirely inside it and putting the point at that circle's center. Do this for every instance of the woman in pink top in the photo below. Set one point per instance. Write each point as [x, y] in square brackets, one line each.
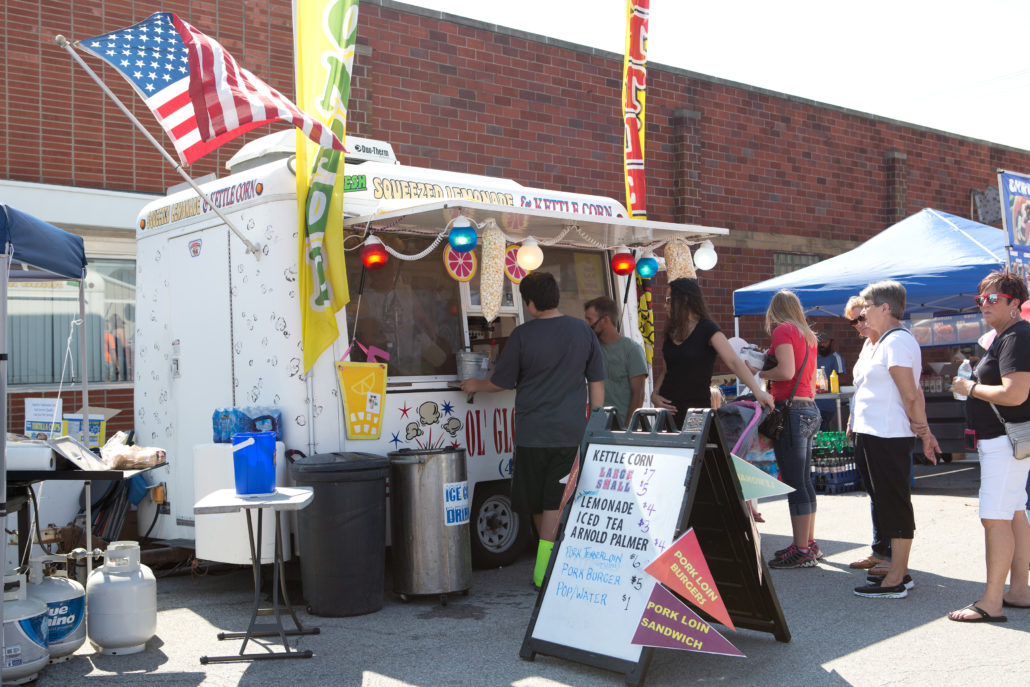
[794, 345]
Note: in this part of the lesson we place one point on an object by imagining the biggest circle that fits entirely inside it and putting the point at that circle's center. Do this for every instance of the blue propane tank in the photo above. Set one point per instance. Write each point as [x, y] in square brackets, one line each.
[65, 600]
[25, 635]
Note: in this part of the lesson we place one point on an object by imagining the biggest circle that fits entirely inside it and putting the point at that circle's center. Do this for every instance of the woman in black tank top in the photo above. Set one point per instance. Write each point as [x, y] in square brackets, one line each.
[692, 342]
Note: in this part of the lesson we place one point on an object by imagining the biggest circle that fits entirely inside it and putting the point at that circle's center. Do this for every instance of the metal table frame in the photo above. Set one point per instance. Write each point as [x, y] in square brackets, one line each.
[284, 499]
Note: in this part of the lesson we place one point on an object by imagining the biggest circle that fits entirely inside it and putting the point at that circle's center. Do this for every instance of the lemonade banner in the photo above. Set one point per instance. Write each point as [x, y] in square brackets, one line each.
[363, 387]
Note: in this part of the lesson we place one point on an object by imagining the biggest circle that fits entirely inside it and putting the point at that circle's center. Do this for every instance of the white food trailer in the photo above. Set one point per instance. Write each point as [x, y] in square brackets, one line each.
[218, 327]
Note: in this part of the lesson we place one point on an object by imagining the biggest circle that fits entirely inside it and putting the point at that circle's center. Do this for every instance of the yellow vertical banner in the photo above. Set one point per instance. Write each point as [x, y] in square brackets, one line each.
[634, 86]
[325, 37]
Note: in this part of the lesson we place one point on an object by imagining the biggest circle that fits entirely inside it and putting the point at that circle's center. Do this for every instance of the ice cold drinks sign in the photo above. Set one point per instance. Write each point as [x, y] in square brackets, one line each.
[624, 515]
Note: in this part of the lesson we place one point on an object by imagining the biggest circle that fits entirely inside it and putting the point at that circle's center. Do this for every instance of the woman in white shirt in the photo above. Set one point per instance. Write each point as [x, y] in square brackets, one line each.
[888, 413]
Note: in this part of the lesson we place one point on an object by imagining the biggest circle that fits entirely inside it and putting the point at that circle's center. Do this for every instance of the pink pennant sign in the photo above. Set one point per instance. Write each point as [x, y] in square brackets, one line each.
[667, 623]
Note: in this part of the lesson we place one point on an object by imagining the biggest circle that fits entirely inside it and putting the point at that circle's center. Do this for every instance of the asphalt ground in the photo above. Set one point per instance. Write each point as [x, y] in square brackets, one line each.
[837, 638]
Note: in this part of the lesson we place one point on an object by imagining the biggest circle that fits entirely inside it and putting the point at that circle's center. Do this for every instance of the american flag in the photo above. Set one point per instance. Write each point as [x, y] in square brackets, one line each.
[197, 91]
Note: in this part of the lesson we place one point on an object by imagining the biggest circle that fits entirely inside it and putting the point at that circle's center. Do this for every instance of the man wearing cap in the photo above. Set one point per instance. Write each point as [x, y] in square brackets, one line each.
[830, 361]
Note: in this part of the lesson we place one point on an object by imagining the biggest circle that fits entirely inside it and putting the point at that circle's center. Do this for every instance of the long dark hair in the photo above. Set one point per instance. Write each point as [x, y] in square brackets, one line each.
[685, 300]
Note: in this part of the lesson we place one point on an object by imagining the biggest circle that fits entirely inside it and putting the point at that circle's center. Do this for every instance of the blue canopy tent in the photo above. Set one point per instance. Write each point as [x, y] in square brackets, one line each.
[939, 258]
[32, 250]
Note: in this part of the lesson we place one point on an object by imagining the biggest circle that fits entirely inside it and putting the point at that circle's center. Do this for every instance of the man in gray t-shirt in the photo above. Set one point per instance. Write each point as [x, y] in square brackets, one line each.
[553, 362]
[624, 363]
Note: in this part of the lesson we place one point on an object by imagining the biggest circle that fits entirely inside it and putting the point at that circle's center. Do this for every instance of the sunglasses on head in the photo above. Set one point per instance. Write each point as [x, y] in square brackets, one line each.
[991, 298]
[856, 320]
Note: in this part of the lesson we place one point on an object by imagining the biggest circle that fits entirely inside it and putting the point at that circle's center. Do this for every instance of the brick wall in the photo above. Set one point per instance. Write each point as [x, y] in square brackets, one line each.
[782, 173]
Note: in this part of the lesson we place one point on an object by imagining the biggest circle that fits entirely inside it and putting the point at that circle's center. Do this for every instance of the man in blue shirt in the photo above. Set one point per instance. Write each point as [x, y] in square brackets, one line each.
[830, 361]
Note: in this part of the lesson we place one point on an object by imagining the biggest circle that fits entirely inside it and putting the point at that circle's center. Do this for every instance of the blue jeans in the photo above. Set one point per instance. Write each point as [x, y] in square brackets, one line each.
[793, 451]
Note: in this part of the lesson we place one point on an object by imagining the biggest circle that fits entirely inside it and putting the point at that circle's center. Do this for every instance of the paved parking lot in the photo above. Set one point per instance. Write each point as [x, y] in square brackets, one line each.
[474, 641]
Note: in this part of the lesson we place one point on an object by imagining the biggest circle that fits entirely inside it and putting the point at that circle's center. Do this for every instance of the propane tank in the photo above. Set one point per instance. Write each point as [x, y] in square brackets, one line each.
[25, 647]
[65, 600]
[121, 598]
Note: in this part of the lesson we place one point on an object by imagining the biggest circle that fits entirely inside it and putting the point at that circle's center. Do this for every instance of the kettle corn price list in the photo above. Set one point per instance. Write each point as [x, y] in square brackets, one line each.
[624, 514]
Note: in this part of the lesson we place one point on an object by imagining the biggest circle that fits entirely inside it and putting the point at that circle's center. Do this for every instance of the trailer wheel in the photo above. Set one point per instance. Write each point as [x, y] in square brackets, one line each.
[498, 535]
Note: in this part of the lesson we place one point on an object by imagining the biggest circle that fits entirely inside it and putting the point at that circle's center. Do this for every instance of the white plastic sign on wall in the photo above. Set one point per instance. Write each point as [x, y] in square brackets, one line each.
[624, 514]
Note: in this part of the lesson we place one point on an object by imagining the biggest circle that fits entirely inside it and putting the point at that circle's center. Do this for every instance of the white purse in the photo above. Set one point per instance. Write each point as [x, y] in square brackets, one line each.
[1018, 434]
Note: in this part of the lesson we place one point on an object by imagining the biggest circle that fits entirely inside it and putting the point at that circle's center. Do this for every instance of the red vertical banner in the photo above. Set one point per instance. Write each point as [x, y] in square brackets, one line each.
[634, 83]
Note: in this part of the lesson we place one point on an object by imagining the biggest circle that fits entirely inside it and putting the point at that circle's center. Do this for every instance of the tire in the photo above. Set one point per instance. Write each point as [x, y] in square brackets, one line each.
[498, 536]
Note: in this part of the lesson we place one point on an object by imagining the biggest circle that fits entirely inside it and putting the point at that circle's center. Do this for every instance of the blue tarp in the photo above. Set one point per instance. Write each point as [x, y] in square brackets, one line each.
[49, 251]
[939, 258]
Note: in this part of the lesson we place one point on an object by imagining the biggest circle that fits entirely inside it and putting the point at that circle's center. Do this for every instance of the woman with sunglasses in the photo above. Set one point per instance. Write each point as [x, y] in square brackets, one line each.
[878, 562]
[794, 345]
[692, 342]
[1001, 379]
[889, 412]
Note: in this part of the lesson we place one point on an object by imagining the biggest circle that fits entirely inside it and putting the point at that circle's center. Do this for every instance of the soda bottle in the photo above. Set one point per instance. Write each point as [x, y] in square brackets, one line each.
[965, 370]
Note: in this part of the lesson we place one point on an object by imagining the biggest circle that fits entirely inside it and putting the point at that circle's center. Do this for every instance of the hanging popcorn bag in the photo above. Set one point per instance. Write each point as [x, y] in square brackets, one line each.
[363, 387]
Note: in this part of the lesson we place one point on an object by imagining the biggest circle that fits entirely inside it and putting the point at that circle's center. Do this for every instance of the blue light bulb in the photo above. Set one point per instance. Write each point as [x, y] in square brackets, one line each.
[647, 267]
[462, 238]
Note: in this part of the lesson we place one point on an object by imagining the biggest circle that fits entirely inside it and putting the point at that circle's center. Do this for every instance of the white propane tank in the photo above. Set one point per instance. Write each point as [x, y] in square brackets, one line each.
[25, 648]
[65, 600]
[121, 598]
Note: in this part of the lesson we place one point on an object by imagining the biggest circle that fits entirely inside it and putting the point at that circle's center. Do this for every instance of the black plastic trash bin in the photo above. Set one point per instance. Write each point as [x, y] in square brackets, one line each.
[342, 534]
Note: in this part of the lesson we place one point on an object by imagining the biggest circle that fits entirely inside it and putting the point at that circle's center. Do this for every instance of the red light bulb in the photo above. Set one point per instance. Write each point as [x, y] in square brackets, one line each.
[374, 255]
[623, 263]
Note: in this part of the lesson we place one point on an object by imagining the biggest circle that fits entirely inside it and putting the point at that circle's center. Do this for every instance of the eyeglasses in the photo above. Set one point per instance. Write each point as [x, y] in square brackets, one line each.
[856, 320]
[991, 298]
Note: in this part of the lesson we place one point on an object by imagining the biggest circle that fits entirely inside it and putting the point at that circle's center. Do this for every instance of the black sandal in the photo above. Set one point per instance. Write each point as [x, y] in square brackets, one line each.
[985, 617]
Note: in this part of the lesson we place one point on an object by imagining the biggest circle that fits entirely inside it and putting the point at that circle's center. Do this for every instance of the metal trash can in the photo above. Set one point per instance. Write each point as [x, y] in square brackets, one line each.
[342, 534]
[429, 522]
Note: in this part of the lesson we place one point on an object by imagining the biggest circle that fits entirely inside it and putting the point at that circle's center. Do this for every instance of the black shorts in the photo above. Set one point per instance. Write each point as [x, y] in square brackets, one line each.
[535, 483]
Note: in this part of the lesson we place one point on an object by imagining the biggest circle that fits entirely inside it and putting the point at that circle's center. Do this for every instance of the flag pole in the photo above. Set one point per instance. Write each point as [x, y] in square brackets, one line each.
[251, 247]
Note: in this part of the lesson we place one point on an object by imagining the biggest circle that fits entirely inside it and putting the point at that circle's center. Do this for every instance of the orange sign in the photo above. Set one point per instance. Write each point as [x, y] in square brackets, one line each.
[683, 569]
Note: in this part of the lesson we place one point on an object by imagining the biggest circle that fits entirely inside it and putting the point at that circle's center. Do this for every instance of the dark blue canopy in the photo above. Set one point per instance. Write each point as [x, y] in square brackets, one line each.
[47, 252]
[939, 258]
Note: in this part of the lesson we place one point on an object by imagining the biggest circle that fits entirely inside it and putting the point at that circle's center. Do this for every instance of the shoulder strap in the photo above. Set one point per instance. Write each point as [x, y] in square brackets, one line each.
[995, 409]
[797, 377]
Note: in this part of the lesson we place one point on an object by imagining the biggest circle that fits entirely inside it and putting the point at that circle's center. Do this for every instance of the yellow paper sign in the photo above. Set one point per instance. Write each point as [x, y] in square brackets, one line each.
[364, 388]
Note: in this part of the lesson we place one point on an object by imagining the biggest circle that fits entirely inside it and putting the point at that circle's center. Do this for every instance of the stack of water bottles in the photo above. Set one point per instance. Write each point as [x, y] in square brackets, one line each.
[833, 464]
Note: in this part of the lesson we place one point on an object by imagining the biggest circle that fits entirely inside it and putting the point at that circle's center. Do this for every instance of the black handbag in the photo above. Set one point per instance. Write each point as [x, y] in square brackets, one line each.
[772, 424]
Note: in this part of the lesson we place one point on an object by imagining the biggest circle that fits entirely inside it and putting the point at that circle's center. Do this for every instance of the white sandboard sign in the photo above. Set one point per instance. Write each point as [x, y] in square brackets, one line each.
[624, 514]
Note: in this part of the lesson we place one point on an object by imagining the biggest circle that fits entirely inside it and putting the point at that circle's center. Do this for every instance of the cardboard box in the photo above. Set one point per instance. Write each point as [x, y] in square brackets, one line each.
[72, 427]
[98, 417]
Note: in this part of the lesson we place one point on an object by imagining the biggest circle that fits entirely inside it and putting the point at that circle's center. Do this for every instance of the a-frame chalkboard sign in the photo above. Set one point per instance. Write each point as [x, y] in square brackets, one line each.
[637, 491]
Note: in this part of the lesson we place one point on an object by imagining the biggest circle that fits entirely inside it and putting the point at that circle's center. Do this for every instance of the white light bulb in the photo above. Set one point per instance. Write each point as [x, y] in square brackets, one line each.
[705, 256]
[530, 256]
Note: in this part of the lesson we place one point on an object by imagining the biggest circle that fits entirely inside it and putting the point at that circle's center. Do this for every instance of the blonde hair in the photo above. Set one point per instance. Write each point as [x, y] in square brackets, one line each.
[853, 302]
[785, 307]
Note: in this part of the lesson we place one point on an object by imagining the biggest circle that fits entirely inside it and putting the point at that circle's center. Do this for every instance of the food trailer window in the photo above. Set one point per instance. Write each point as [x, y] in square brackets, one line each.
[581, 276]
[409, 308]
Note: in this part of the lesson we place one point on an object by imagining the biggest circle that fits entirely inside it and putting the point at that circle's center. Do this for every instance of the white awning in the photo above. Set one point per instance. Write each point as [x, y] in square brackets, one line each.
[549, 227]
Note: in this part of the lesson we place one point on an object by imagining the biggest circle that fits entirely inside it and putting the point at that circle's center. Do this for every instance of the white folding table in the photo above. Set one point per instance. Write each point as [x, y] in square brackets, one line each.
[284, 499]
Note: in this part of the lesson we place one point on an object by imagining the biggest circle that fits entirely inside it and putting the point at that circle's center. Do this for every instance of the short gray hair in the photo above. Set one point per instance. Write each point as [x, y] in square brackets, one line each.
[888, 291]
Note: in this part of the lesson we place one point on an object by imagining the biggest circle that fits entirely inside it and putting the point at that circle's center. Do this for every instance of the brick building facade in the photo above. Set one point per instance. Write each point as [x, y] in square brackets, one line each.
[786, 175]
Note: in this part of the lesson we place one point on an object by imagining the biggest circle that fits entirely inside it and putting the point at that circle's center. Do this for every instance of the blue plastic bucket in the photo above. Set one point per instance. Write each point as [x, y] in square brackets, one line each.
[253, 456]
